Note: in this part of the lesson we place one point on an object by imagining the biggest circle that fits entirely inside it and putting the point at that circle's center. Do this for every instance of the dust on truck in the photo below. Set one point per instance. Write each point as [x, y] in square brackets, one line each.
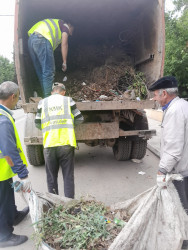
[136, 26]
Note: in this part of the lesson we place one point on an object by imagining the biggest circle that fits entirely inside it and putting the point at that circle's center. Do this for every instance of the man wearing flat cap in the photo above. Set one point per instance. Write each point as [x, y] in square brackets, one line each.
[56, 116]
[174, 136]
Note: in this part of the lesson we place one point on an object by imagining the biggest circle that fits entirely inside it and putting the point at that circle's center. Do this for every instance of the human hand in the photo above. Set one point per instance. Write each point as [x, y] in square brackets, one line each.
[26, 185]
[161, 180]
[64, 67]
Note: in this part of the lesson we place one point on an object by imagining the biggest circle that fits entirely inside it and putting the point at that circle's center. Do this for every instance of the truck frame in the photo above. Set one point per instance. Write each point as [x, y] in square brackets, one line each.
[121, 124]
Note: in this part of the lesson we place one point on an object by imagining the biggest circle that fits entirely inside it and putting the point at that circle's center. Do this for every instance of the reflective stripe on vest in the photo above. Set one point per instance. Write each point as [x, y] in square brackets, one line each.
[50, 29]
[5, 170]
[57, 122]
[55, 39]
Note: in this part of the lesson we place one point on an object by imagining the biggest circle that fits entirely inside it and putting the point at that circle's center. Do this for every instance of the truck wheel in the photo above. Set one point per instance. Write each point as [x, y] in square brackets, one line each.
[141, 122]
[35, 154]
[122, 150]
[138, 149]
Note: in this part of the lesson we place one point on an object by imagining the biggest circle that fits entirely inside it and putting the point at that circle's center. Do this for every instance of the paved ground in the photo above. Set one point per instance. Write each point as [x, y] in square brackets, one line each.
[154, 120]
[154, 142]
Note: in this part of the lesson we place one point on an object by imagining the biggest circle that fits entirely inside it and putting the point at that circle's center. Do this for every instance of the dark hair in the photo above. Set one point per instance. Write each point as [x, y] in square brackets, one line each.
[69, 21]
[7, 89]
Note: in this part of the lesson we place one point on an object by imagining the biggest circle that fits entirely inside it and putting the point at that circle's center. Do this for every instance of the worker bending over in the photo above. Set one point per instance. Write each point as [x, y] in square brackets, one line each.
[44, 37]
[56, 116]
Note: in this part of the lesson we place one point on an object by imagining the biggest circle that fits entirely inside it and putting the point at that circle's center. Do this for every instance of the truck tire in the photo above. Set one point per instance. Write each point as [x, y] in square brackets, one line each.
[141, 122]
[35, 154]
[139, 146]
[122, 150]
[138, 149]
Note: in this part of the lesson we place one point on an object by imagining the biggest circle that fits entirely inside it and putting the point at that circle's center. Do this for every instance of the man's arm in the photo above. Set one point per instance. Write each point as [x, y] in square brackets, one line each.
[78, 118]
[9, 148]
[64, 50]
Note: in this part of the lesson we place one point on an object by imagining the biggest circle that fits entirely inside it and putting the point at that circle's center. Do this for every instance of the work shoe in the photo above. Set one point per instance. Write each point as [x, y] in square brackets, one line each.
[21, 215]
[185, 244]
[14, 240]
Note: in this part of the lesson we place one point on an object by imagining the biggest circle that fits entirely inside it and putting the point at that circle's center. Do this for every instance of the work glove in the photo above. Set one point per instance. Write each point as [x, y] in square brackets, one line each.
[161, 180]
[26, 185]
[64, 67]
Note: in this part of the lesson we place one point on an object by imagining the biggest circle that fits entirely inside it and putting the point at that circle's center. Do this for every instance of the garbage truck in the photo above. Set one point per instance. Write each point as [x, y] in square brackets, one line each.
[133, 28]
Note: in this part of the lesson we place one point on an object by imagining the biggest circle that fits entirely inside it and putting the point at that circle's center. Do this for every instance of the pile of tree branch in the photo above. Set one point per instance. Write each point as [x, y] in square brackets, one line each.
[102, 74]
[85, 224]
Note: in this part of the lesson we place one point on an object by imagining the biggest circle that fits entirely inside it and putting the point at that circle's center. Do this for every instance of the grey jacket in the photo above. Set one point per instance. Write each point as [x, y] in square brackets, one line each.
[174, 138]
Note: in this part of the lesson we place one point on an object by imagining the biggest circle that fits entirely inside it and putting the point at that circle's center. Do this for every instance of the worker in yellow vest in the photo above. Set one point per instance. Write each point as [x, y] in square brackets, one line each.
[56, 116]
[12, 162]
[44, 37]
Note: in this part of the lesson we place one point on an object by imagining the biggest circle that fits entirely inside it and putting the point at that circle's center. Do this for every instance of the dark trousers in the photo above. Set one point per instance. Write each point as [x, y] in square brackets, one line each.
[8, 209]
[63, 157]
[182, 188]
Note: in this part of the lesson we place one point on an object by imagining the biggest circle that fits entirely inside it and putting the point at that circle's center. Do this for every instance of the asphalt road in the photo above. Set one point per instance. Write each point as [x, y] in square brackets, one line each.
[97, 173]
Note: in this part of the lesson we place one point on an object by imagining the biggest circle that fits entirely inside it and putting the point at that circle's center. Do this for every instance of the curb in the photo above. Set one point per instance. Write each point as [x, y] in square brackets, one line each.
[153, 150]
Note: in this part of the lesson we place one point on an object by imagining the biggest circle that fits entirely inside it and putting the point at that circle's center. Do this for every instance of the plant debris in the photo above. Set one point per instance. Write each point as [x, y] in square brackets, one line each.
[103, 74]
[84, 225]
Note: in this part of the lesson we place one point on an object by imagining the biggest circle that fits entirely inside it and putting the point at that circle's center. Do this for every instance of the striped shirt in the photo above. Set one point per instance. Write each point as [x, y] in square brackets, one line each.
[78, 118]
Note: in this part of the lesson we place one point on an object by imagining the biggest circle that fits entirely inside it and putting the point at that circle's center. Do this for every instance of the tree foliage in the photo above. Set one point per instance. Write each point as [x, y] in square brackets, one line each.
[179, 4]
[176, 46]
[7, 72]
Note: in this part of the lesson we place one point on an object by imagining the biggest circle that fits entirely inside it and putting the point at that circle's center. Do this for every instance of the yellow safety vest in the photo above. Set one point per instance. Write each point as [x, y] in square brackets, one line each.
[57, 122]
[5, 169]
[49, 28]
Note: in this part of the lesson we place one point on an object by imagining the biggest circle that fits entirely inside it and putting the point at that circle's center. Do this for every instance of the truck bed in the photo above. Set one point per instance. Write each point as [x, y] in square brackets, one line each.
[134, 28]
[102, 105]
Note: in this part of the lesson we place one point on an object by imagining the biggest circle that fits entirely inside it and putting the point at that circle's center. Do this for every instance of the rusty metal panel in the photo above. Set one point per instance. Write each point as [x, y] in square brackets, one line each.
[93, 131]
[32, 135]
[33, 140]
[115, 105]
[88, 133]
[140, 133]
[30, 107]
[85, 131]
[104, 105]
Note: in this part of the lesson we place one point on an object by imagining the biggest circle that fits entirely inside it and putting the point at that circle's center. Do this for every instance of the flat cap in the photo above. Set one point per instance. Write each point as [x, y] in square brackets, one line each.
[58, 84]
[164, 83]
